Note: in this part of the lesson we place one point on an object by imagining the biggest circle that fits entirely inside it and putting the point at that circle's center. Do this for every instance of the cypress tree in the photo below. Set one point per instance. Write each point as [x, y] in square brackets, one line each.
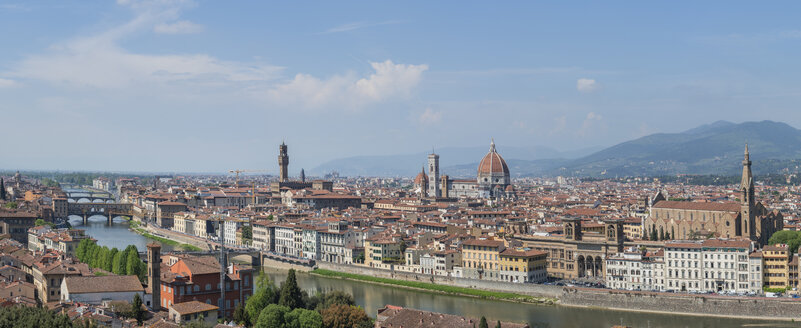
[2, 189]
[498, 325]
[136, 309]
[291, 296]
[483, 323]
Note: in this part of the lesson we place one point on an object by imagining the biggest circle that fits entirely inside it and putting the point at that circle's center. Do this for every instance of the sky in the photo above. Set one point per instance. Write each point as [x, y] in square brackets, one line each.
[209, 86]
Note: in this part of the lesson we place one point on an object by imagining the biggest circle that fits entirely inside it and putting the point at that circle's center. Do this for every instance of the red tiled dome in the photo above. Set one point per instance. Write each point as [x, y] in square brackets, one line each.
[493, 163]
[420, 178]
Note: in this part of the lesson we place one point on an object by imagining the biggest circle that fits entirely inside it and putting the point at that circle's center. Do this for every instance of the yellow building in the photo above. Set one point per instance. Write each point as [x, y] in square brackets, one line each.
[523, 265]
[776, 266]
[382, 250]
[481, 258]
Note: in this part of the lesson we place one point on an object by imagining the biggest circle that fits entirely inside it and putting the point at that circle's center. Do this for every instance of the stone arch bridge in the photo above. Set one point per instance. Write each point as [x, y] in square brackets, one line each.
[109, 210]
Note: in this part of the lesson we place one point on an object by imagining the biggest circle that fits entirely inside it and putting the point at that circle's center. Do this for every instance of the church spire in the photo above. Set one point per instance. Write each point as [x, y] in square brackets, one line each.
[747, 181]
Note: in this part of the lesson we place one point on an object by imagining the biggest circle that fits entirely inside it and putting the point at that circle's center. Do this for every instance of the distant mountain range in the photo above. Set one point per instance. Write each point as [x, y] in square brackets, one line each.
[715, 148]
[454, 161]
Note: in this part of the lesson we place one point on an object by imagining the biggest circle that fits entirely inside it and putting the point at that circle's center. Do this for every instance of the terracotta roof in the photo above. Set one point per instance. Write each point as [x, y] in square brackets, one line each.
[103, 284]
[483, 242]
[192, 307]
[525, 253]
[699, 206]
[394, 316]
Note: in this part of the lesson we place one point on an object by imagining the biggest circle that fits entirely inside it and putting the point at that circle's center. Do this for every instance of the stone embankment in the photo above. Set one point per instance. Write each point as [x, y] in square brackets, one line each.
[495, 286]
[687, 304]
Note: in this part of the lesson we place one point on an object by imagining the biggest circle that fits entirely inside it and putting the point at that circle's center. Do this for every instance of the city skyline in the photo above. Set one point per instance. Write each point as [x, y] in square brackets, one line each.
[205, 87]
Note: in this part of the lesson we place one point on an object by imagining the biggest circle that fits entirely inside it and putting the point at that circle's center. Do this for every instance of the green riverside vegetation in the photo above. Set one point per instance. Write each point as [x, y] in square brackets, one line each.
[437, 288]
[165, 241]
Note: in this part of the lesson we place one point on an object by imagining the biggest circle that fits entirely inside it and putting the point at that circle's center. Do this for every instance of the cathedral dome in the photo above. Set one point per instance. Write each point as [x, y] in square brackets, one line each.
[421, 178]
[492, 163]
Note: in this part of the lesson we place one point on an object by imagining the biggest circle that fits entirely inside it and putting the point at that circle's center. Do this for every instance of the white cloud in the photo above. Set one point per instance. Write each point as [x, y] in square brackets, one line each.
[357, 25]
[589, 123]
[430, 116]
[586, 85]
[6, 83]
[389, 80]
[98, 61]
[179, 27]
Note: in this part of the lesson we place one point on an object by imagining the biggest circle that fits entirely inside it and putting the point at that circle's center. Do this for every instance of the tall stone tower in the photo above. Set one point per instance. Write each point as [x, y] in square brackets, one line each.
[433, 175]
[154, 274]
[748, 203]
[283, 163]
[302, 175]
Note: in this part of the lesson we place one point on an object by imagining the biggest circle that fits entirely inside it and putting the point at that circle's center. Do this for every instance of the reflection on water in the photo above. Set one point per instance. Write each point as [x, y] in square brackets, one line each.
[117, 235]
[372, 297]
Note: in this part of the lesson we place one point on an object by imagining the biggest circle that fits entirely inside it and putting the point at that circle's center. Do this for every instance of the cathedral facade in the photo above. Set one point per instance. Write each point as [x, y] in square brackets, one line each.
[492, 179]
[688, 220]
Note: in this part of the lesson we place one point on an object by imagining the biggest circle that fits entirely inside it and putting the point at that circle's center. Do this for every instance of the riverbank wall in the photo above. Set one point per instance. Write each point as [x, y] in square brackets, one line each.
[175, 236]
[689, 304]
[495, 286]
[272, 263]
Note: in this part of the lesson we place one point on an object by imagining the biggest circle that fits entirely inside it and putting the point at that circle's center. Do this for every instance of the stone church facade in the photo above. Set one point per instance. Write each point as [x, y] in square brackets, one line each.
[688, 220]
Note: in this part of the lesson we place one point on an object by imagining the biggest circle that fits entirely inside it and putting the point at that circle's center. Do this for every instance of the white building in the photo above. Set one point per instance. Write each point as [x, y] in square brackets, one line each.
[230, 226]
[635, 270]
[713, 265]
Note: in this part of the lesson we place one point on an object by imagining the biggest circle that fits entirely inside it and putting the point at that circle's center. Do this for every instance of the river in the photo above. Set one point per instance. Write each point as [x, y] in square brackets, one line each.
[117, 235]
[372, 297]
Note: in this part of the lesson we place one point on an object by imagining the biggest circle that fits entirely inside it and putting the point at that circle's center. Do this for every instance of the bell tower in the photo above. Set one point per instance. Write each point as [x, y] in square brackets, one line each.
[154, 275]
[433, 175]
[747, 203]
[283, 163]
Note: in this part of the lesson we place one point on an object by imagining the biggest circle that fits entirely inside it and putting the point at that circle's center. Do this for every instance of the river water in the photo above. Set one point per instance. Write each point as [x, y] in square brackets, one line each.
[116, 235]
[372, 297]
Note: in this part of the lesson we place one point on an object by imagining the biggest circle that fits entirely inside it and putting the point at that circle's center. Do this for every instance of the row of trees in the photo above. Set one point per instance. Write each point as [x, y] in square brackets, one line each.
[651, 234]
[25, 316]
[126, 262]
[289, 307]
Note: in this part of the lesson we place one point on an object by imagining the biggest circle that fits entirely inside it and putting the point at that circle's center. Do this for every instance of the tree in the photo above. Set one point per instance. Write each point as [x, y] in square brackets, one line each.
[483, 323]
[109, 260]
[272, 316]
[263, 295]
[653, 234]
[24, 316]
[2, 189]
[136, 309]
[344, 316]
[661, 234]
[324, 300]
[11, 205]
[40, 222]
[791, 238]
[247, 232]
[241, 316]
[80, 251]
[132, 264]
[302, 318]
[498, 325]
[291, 296]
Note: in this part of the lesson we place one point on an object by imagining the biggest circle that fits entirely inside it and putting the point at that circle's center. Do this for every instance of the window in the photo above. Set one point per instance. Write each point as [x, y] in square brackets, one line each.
[208, 287]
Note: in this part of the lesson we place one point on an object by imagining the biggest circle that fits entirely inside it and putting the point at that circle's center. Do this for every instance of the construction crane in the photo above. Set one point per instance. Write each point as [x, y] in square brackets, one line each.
[243, 171]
